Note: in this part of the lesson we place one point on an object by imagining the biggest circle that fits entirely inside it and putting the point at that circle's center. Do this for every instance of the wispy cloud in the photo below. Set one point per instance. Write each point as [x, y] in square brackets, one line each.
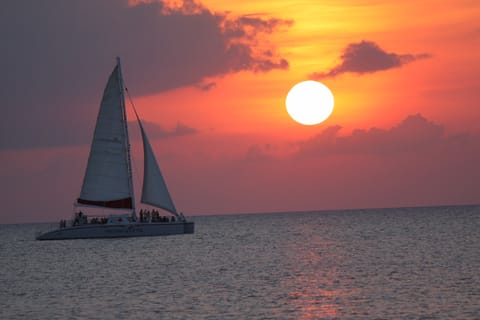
[368, 57]
[156, 131]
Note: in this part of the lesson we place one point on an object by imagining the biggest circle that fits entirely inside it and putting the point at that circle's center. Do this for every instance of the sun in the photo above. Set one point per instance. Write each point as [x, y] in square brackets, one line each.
[309, 102]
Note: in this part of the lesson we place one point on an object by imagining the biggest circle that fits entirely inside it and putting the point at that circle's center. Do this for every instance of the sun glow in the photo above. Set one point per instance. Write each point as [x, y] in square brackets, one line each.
[309, 102]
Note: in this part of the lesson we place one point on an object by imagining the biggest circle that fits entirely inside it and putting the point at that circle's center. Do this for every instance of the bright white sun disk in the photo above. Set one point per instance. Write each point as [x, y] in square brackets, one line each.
[309, 102]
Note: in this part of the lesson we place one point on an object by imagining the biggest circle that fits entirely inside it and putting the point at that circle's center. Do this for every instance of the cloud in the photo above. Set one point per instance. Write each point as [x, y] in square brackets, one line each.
[368, 57]
[156, 131]
[414, 134]
[243, 33]
[56, 56]
[415, 162]
[76, 138]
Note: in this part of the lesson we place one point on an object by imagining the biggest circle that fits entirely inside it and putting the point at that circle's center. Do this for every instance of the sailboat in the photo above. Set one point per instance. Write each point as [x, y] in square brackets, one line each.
[108, 181]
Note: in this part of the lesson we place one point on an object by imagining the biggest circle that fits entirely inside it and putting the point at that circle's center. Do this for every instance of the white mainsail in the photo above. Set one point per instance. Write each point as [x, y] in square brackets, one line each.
[154, 191]
[107, 181]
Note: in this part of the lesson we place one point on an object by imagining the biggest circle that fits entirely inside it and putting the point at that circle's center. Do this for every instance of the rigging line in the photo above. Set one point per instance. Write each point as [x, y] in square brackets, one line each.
[133, 105]
[135, 167]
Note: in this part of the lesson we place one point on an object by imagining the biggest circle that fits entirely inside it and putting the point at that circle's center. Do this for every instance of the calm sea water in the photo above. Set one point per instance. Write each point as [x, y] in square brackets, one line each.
[421, 263]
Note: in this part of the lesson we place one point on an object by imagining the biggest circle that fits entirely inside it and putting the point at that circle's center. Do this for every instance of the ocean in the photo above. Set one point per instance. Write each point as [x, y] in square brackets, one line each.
[406, 263]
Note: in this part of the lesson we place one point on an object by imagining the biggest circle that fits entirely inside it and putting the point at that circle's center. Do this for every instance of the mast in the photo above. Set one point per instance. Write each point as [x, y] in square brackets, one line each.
[127, 139]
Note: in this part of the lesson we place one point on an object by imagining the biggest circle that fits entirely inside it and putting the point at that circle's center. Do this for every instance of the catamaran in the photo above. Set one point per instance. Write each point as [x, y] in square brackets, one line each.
[108, 181]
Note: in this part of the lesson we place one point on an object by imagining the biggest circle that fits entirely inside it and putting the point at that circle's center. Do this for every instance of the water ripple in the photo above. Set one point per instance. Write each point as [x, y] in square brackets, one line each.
[372, 264]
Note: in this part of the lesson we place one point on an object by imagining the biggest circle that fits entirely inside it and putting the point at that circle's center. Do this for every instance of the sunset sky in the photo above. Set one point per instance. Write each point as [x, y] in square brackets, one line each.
[209, 79]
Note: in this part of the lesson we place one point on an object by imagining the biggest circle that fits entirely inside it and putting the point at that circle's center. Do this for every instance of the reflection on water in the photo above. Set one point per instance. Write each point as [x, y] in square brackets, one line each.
[406, 263]
[372, 264]
[315, 289]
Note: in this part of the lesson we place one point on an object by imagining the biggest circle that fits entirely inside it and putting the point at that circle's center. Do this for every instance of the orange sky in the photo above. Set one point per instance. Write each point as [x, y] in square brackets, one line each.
[442, 88]
[241, 151]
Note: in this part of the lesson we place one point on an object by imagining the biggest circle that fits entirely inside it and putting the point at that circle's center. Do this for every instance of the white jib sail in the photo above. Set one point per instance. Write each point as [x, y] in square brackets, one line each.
[154, 191]
[106, 181]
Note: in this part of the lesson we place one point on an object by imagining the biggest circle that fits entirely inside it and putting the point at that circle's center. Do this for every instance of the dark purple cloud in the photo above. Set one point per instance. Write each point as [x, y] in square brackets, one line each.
[414, 134]
[413, 163]
[57, 55]
[368, 57]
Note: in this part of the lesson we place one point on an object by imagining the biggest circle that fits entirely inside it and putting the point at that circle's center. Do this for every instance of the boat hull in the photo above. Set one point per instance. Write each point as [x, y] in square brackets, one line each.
[92, 231]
